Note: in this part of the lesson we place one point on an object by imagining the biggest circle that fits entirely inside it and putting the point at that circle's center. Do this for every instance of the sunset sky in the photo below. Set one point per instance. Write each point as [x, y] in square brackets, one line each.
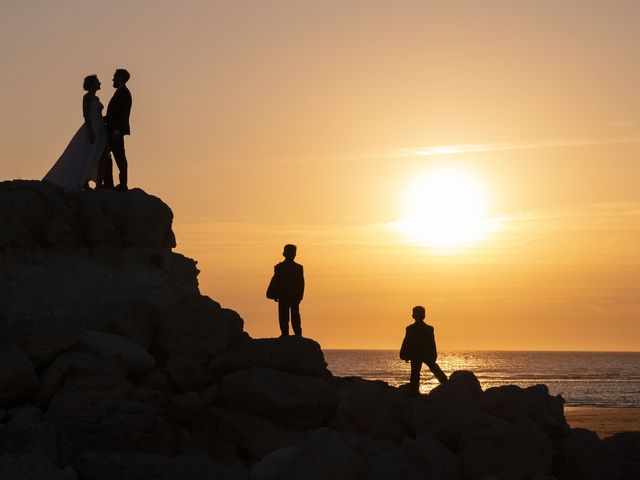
[262, 123]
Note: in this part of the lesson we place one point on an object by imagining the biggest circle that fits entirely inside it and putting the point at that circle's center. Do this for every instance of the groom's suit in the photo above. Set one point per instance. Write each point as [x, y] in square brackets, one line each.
[117, 120]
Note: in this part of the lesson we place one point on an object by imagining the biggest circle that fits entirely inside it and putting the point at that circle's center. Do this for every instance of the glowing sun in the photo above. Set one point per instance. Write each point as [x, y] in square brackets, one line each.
[445, 209]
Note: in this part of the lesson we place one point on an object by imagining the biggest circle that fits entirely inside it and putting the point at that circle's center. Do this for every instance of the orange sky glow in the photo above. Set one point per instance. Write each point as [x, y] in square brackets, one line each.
[308, 122]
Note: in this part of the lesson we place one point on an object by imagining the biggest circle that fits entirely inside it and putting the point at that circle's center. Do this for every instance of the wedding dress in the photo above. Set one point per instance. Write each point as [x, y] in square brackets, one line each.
[79, 162]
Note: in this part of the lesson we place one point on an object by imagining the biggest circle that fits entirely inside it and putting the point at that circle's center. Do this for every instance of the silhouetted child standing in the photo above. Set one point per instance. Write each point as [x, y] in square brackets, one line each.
[287, 288]
[418, 347]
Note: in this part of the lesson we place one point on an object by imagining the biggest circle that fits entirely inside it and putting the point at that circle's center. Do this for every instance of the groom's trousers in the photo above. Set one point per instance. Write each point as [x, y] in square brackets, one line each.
[116, 145]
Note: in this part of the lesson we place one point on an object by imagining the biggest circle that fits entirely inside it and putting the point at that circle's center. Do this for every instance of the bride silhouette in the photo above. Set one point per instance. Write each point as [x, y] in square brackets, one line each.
[80, 161]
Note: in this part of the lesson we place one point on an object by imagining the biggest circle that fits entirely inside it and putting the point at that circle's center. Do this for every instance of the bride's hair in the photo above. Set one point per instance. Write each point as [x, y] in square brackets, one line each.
[88, 81]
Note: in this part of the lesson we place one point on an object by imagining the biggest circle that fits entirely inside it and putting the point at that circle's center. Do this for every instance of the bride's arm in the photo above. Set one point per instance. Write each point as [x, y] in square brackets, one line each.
[86, 113]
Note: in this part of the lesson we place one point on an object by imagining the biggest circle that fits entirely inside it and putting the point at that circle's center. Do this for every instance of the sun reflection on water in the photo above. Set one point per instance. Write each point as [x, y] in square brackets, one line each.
[582, 378]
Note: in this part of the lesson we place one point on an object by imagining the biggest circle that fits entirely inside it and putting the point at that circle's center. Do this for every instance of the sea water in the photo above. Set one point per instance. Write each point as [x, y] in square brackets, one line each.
[597, 379]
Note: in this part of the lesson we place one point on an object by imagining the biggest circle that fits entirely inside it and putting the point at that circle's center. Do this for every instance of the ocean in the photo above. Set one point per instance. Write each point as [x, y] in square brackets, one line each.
[595, 379]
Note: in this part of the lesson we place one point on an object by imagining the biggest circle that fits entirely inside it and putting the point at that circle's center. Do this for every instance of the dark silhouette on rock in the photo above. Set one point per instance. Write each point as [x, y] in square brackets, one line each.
[418, 347]
[287, 288]
[81, 160]
[113, 366]
[117, 121]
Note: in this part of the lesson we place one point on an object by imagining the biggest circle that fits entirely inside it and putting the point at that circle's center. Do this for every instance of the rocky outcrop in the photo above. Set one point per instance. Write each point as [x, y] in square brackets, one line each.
[114, 366]
[300, 356]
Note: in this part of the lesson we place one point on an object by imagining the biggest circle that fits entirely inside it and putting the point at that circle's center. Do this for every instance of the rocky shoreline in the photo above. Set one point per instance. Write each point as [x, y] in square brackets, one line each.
[114, 366]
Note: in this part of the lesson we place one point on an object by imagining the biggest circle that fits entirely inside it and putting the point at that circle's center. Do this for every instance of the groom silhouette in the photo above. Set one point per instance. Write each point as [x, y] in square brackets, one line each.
[117, 122]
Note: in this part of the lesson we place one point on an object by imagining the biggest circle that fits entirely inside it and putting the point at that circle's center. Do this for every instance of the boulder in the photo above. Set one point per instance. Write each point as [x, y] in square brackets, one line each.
[189, 402]
[445, 412]
[134, 320]
[37, 214]
[289, 400]
[511, 402]
[140, 466]
[24, 415]
[256, 437]
[188, 374]
[274, 465]
[17, 376]
[428, 458]
[209, 395]
[198, 328]
[98, 414]
[39, 438]
[325, 455]
[26, 207]
[157, 380]
[371, 408]
[509, 451]
[615, 458]
[577, 451]
[75, 365]
[293, 354]
[28, 467]
[44, 344]
[138, 219]
[462, 388]
[109, 345]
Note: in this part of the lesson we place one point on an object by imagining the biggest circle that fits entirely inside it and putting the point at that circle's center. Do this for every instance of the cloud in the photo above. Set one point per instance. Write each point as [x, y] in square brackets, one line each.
[442, 150]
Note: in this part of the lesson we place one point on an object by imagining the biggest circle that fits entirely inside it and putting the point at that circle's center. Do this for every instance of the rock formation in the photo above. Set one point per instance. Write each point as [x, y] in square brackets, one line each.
[114, 366]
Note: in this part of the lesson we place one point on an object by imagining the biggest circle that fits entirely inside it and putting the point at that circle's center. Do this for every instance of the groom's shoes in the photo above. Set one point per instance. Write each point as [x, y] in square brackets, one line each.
[121, 188]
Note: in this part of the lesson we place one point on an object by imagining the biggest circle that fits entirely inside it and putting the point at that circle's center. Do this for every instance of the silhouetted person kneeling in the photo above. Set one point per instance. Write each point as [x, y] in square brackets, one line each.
[418, 347]
[287, 288]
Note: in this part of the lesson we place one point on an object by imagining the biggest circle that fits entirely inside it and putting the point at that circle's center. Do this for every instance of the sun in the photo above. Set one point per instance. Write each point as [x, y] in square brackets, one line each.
[446, 209]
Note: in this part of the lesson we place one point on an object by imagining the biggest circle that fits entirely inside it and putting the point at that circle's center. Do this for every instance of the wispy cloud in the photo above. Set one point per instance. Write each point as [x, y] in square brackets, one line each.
[313, 158]
[441, 150]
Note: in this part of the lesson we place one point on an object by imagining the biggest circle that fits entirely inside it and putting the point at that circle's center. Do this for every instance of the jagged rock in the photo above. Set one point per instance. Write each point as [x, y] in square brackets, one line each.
[44, 344]
[188, 374]
[293, 354]
[256, 437]
[198, 328]
[108, 345]
[290, 400]
[75, 365]
[511, 402]
[372, 408]
[28, 467]
[17, 376]
[509, 451]
[138, 466]
[39, 438]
